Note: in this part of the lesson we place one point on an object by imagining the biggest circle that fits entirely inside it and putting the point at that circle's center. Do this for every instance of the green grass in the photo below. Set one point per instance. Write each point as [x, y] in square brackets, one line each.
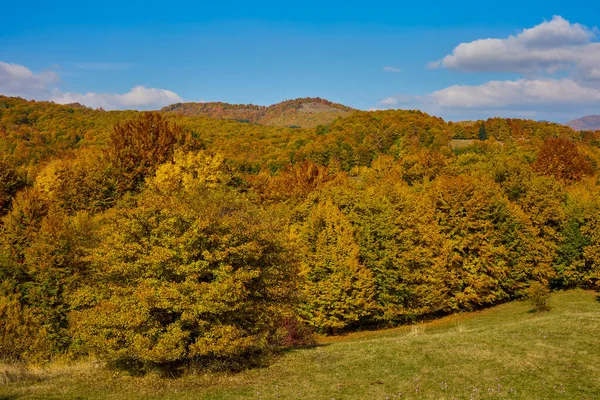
[504, 352]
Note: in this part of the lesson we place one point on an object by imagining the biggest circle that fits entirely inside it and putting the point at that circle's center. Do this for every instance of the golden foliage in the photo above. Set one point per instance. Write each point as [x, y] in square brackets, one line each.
[189, 239]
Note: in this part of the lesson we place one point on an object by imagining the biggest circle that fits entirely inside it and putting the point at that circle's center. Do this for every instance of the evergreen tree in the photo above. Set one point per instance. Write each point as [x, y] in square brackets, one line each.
[482, 132]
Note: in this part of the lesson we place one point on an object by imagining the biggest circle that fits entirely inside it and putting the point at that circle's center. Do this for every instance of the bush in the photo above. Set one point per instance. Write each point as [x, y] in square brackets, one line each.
[295, 333]
[538, 294]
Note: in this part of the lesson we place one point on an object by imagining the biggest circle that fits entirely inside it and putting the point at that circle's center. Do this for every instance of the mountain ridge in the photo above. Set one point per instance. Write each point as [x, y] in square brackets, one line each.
[587, 123]
[304, 112]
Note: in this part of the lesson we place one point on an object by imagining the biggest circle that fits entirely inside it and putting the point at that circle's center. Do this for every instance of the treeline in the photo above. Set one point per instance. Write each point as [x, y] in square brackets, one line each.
[507, 128]
[31, 133]
[166, 245]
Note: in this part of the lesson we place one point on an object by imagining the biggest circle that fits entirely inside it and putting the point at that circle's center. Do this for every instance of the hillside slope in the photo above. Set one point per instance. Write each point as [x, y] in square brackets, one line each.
[305, 112]
[587, 123]
[32, 132]
[504, 352]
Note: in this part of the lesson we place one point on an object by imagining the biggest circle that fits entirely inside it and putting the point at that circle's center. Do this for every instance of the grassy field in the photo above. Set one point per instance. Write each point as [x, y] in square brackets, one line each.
[504, 352]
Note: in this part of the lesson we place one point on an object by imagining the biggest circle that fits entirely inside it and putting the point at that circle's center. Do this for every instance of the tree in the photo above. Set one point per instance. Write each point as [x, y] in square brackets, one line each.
[589, 275]
[42, 260]
[136, 147]
[10, 183]
[338, 290]
[85, 182]
[482, 132]
[190, 271]
[559, 157]
[400, 243]
[493, 250]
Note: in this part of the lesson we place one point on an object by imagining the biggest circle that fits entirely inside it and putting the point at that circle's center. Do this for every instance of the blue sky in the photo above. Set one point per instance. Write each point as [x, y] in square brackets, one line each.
[428, 55]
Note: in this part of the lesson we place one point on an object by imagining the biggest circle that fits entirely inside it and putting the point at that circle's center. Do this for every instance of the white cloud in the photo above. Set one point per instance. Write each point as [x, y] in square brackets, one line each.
[18, 80]
[544, 49]
[545, 93]
[594, 73]
[388, 101]
[139, 97]
[391, 69]
[555, 33]
[399, 99]
[550, 46]
[536, 54]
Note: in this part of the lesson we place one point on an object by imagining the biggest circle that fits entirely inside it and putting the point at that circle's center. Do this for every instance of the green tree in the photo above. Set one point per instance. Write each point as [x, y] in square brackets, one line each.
[482, 132]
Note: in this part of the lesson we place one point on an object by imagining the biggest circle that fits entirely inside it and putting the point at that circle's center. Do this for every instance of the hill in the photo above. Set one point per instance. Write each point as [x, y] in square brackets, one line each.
[305, 112]
[505, 352]
[587, 123]
[253, 136]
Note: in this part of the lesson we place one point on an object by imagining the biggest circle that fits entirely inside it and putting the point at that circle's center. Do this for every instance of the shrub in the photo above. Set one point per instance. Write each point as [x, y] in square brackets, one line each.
[538, 294]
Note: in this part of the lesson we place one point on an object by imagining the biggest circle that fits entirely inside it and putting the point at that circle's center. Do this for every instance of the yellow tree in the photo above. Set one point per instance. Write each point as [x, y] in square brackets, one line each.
[338, 290]
[492, 255]
[189, 270]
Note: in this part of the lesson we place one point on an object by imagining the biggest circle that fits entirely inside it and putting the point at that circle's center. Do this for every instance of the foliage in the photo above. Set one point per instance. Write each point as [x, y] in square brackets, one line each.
[560, 158]
[42, 253]
[339, 290]
[538, 294]
[135, 148]
[85, 182]
[10, 183]
[22, 334]
[187, 272]
[161, 239]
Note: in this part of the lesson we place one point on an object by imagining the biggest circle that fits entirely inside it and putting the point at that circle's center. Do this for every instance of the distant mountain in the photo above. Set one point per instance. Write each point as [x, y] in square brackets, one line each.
[77, 105]
[305, 113]
[587, 123]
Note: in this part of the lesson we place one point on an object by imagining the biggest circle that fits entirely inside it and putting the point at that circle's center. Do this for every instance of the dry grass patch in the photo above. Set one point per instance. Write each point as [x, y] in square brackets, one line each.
[20, 372]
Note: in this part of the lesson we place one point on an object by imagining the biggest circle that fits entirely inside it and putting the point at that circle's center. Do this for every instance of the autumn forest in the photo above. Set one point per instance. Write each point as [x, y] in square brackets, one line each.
[216, 235]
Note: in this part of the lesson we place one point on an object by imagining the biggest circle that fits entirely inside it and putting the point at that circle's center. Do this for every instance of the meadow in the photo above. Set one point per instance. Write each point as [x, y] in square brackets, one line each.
[508, 351]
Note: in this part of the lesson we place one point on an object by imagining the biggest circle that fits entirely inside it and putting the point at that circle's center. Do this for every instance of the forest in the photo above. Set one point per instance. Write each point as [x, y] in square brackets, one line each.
[165, 240]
